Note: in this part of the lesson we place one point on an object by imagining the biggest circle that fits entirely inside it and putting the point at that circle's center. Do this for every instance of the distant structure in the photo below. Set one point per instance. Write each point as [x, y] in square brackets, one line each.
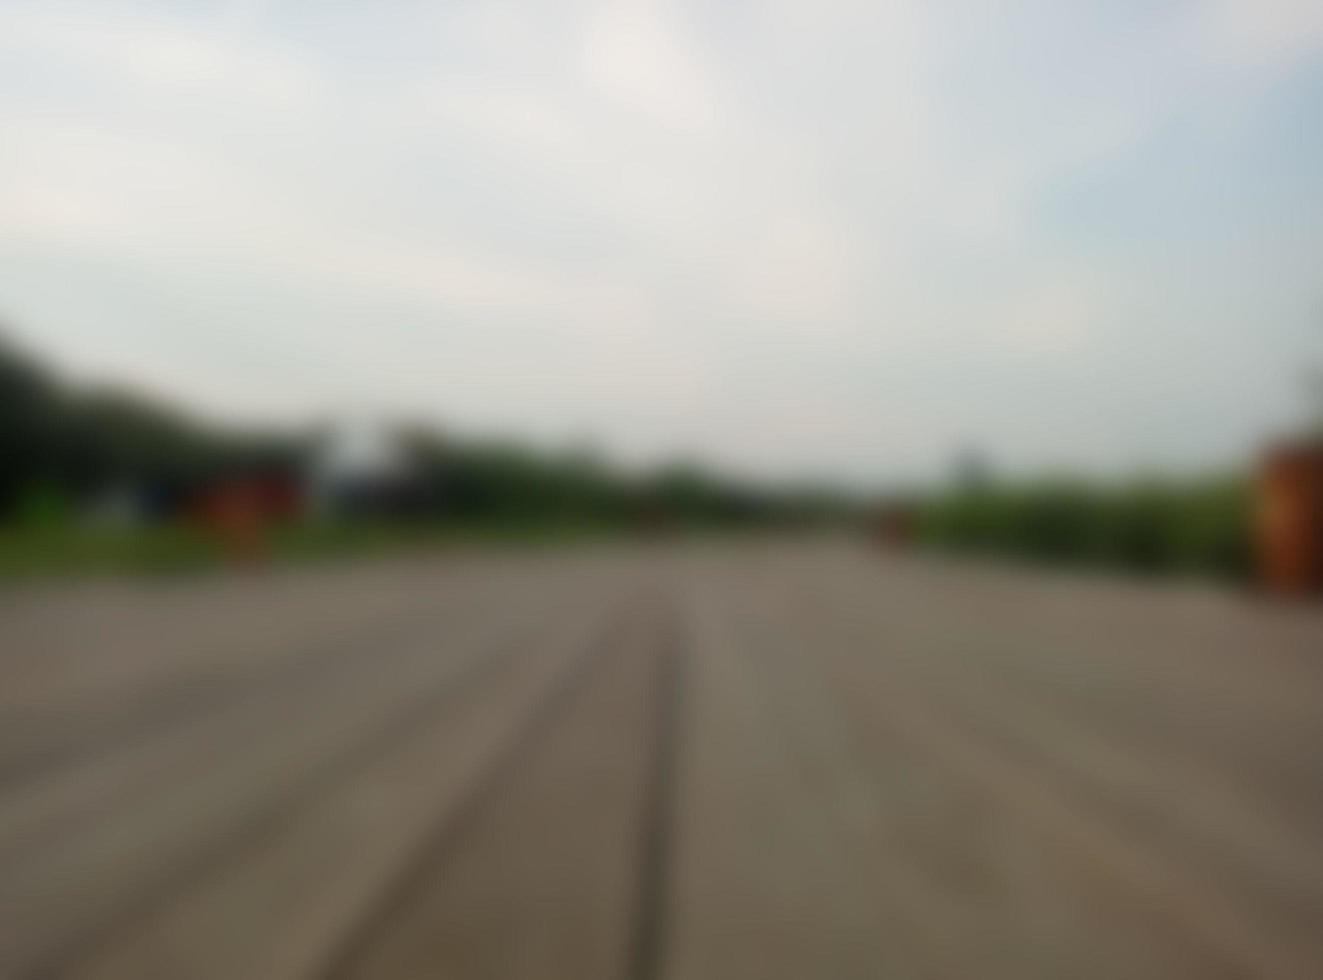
[972, 470]
[894, 524]
[1290, 518]
[240, 510]
[359, 470]
[118, 507]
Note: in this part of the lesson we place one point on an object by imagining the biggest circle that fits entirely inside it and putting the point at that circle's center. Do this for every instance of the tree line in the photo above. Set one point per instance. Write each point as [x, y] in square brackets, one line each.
[1146, 525]
[63, 445]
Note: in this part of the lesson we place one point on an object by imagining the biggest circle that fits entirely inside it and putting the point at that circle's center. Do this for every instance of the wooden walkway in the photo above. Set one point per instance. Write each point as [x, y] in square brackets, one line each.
[765, 760]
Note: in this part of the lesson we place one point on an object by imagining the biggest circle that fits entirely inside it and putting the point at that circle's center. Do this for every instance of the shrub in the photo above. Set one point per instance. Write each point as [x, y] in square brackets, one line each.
[1145, 526]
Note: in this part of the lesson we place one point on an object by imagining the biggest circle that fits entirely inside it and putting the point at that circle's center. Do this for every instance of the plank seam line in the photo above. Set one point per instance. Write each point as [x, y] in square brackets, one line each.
[342, 960]
[182, 701]
[656, 840]
[487, 660]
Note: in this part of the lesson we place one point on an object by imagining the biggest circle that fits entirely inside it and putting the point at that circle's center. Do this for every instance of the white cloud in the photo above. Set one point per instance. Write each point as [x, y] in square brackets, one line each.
[636, 52]
[1056, 317]
[523, 117]
[161, 54]
[769, 231]
[796, 267]
[1264, 32]
[96, 191]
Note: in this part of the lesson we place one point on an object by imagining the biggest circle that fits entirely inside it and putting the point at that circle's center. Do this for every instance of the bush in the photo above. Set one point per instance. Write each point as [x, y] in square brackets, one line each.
[1144, 526]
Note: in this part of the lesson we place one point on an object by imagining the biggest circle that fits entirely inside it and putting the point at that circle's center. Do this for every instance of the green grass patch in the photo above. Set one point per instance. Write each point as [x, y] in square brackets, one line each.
[48, 550]
[1149, 526]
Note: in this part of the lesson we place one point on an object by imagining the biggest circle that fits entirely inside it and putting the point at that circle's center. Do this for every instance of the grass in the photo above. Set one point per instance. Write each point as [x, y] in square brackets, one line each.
[1199, 526]
[70, 550]
[39, 551]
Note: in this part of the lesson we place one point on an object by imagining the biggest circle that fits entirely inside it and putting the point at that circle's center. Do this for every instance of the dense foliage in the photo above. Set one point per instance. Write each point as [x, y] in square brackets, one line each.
[62, 447]
[1197, 525]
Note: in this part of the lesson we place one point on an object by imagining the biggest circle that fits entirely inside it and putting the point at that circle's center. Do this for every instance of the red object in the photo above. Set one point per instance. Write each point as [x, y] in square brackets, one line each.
[893, 526]
[279, 498]
[239, 511]
[1290, 520]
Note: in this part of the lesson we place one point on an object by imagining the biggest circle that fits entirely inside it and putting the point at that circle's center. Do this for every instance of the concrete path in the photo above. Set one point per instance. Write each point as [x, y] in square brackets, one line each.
[763, 760]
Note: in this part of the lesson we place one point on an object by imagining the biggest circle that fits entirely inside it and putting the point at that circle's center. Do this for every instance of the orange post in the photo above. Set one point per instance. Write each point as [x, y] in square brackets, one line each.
[232, 512]
[893, 526]
[1290, 519]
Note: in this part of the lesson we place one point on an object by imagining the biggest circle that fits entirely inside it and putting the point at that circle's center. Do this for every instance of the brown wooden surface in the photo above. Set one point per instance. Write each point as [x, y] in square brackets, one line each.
[755, 760]
[1290, 520]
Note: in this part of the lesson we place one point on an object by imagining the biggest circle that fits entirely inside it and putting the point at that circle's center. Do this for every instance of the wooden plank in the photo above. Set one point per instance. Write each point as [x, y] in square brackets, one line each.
[278, 908]
[543, 879]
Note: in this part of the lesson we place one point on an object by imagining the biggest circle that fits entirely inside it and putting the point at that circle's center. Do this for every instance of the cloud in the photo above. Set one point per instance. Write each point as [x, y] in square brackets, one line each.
[163, 55]
[1264, 32]
[1056, 317]
[795, 268]
[105, 193]
[636, 53]
[769, 231]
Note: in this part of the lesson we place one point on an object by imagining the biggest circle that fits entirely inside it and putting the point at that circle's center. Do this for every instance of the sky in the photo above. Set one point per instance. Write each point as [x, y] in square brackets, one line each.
[831, 238]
